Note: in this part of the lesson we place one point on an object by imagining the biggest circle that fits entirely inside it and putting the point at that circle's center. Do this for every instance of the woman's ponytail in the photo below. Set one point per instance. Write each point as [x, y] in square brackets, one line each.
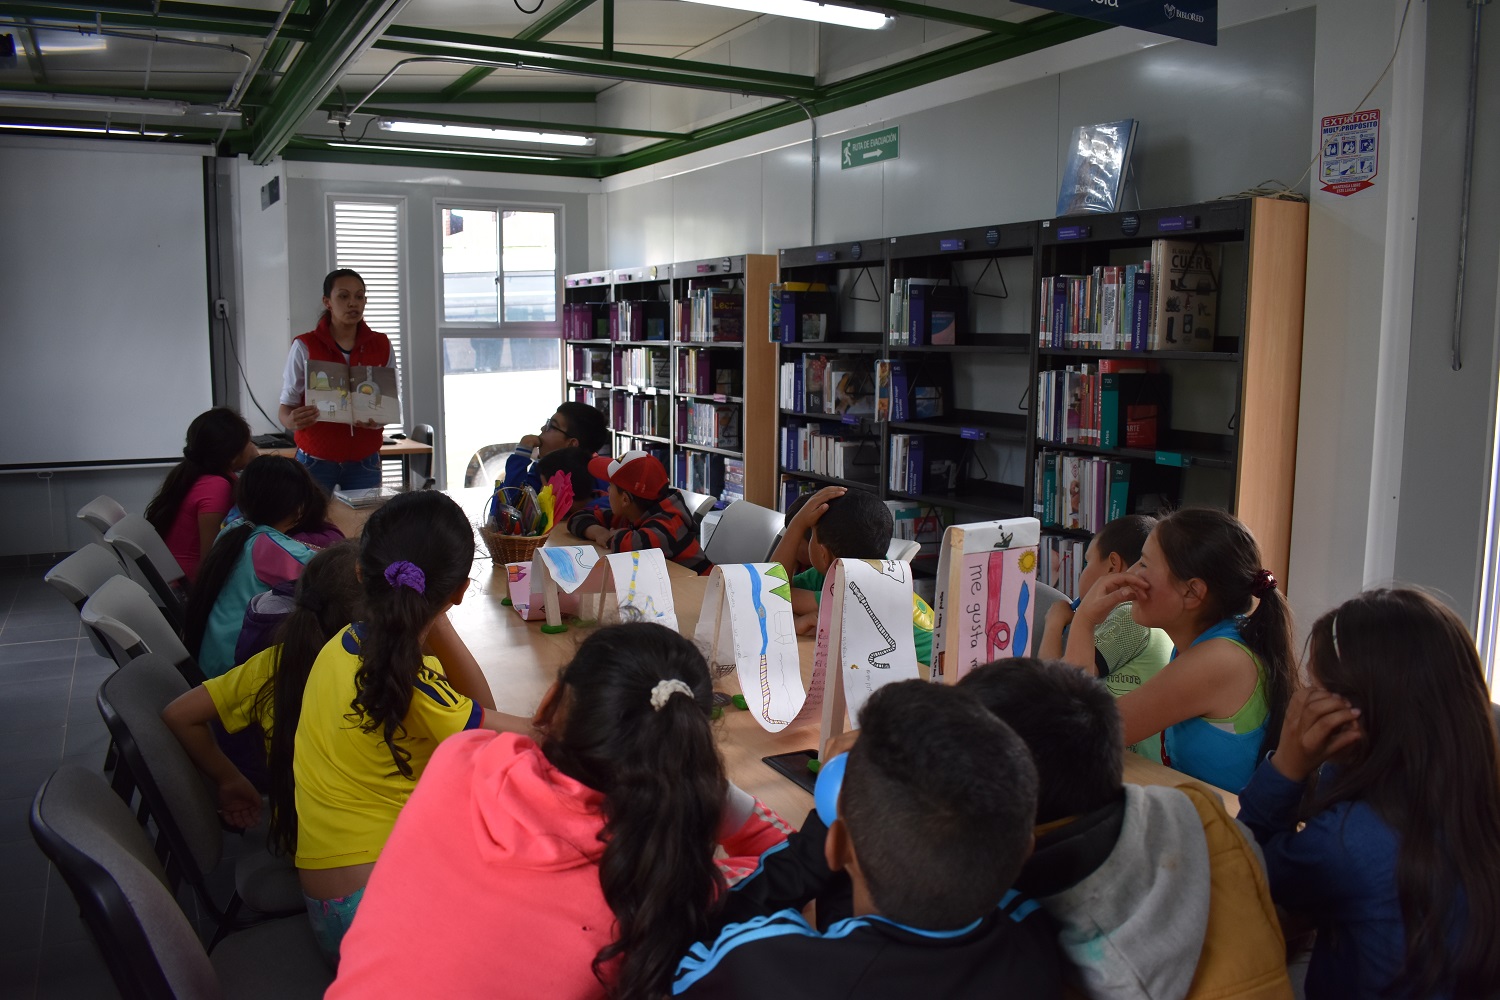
[636, 728]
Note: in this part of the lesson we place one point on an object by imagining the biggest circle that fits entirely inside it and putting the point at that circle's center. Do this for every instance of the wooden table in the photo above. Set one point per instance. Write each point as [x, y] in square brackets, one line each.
[402, 448]
[520, 662]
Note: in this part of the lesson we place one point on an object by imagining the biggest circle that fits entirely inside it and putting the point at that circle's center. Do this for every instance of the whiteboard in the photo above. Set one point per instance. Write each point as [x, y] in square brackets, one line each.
[104, 315]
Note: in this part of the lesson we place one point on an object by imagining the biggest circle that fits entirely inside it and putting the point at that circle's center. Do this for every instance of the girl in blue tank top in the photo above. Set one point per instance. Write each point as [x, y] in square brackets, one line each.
[1217, 706]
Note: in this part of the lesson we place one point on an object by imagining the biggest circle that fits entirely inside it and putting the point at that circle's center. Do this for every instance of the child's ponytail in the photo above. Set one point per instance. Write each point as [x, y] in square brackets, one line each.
[1212, 545]
[636, 700]
[415, 553]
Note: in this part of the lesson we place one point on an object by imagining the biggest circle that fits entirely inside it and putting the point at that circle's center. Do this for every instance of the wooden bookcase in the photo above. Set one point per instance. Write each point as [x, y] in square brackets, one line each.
[622, 392]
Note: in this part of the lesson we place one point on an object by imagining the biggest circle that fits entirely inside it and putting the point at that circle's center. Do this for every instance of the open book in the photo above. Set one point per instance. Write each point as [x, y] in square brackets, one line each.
[357, 395]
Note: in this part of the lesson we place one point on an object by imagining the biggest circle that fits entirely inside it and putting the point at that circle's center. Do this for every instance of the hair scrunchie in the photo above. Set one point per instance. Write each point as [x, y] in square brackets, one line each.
[406, 574]
[664, 690]
[1263, 584]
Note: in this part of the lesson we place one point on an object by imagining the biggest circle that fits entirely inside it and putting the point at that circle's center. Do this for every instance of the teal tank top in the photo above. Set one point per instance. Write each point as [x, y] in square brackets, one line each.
[1222, 752]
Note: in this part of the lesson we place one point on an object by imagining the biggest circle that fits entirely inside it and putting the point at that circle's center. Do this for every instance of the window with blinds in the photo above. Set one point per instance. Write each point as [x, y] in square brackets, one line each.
[367, 238]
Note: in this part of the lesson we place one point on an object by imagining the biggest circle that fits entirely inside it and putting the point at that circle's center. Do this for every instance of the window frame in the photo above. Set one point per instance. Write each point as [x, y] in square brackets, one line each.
[500, 328]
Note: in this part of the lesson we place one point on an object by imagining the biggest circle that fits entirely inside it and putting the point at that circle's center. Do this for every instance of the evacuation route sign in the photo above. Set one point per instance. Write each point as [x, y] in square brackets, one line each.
[871, 148]
[1349, 157]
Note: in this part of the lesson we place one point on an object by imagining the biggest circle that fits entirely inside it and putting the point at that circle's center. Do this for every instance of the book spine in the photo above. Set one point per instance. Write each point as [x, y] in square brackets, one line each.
[1119, 490]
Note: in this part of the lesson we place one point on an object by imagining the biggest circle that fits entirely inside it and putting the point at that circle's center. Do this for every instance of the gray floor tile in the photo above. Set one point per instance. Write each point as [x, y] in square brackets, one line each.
[18, 974]
[86, 740]
[20, 778]
[21, 920]
[40, 631]
[83, 709]
[32, 652]
[32, 704]
[23, 866]
[72, 970]
[41, 743]
[15, 830]
[62, 923]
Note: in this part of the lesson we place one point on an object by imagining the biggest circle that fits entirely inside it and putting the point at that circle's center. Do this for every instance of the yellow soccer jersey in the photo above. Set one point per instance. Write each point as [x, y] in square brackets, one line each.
[236, 693]
[348, 789]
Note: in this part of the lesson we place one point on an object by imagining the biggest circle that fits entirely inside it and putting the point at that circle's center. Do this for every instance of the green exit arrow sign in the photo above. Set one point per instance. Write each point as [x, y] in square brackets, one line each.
[875, 147]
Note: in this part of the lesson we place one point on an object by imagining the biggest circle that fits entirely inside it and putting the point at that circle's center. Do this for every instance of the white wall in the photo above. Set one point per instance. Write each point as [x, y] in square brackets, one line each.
[262, 312]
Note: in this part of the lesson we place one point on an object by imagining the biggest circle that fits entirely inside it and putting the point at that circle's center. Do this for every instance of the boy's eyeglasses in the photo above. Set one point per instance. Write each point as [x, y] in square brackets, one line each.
[553, 425]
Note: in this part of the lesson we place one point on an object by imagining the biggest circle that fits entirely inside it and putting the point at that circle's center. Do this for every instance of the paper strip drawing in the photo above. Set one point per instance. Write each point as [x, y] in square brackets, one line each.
[747, 614]
[641, 583]
[874, 646]
[568, 565]
[986, 577]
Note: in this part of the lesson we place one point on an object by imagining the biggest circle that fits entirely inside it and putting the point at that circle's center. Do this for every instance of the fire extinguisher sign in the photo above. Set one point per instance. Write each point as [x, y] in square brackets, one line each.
[1350, 155]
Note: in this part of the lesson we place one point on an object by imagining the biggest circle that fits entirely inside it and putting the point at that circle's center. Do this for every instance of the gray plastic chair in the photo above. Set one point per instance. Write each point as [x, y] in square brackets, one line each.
[743, 535]
[140, 546]
[82, 573]
[100, 514]
[125, 615]
[1046, 596]
[124, 898]
[421, 465]
[178, 799]
[903, 549]
[699, 504]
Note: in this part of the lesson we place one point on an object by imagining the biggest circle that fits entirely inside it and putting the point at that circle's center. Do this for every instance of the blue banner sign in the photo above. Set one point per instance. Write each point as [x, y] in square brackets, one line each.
[1194, 20]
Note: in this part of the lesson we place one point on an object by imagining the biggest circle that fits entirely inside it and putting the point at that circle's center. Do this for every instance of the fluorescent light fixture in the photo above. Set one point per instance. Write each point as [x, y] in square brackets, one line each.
[109, 105]
[480, 132]
[84, 128]
[441, 152]
[849, 17]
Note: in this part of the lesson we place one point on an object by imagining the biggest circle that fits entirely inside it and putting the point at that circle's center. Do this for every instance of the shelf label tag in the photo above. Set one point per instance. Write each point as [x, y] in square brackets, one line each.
[972, 434]
[850, 419]
[946, 245]
[1074, 232]
[1174, 458]
[824, 256]
[1176, 223]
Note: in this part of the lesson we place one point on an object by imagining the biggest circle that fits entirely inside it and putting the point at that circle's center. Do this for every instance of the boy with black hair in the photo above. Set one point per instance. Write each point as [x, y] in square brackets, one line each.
[1096, 632]
[574, 463]
[574, 425]
[1157, 891]
[643, 512]
[934, 821]
[838, 523]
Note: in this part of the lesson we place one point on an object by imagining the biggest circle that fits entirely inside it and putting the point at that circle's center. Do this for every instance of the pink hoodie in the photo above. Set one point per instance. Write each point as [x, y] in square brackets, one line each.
[489, 884]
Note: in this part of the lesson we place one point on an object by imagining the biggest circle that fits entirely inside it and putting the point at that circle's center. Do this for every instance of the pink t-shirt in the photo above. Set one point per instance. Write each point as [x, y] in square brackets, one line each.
[209, 495]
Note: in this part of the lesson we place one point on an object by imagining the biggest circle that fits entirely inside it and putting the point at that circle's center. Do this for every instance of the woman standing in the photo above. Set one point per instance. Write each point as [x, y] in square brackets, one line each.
[333, 455]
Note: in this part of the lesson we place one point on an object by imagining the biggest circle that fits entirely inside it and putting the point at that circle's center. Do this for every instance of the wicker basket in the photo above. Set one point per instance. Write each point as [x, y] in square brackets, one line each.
[511, 548]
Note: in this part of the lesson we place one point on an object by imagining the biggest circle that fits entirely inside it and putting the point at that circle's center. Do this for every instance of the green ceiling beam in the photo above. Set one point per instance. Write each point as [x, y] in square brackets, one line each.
[488, 97]
[464, 82]
[1042, 32]
[551, 21]
[271, 68]
[343, 34]
[926, 13]
[710, 78]
[488, 122]
[169, 15]
[434, 41]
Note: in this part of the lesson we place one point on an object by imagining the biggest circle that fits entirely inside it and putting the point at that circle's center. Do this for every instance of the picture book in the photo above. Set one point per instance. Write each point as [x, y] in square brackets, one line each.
[985, 586]
[1098, 163]
[360, 396]
[1186, 275]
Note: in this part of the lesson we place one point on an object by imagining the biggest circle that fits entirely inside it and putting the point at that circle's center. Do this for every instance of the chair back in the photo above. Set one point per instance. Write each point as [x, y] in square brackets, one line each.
[1046, 596]
[698, 503]
[140, 545]
[120, 887]
[123, 612]
[487, 464]
[421, 465]
[903, 549]
[85, 571]
[100, 514]
[743, 535]
[176, 797]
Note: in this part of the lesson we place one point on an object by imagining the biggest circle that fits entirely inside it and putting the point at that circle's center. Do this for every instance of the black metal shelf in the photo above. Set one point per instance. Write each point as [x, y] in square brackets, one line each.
[711, 450]
[980, 425]
[1083, 352]
[709, 398]
[1184, 458]
[997, 499]
[831, 347]
[818, 477]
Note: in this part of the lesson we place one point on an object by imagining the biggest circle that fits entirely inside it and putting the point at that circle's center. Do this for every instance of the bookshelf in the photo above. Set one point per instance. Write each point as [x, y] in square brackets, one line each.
[636, 347]
[1225, 416]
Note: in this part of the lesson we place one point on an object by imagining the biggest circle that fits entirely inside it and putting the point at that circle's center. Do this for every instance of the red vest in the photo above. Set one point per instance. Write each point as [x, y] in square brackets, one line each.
[332, 441]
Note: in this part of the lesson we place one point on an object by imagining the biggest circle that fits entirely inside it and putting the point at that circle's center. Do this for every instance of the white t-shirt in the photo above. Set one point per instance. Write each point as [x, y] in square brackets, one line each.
[294, 376]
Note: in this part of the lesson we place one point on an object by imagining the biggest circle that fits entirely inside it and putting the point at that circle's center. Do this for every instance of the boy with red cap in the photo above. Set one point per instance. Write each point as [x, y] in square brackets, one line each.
[643, 512]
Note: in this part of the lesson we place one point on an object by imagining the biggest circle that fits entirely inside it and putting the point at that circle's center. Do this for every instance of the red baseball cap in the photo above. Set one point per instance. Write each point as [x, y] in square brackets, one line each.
[638, 473]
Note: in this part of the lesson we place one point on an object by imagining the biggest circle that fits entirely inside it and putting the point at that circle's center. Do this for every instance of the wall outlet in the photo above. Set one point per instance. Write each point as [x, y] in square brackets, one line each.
[221, 308]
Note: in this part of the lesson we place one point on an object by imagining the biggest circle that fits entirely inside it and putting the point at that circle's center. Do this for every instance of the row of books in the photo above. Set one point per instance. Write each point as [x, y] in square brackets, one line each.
[591, 364]
[653, 448]
[1116, 403]
[713, 314]
[828, 450]
[597, 398]
[926, 311]
[643, 367]
[716, 475]
[1166, 303]
[714, 425]
[704, 372]
[1061, 562]
[924, 463]
[1079, 492]
[638, 319]
[899, 395]
[586, 321]
[803, 312]
[641, 414]
[831, 385]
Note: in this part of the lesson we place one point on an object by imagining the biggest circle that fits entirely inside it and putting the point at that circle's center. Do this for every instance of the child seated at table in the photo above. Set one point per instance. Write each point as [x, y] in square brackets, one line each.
[1100, 636]
[1156, 890]
[644, 513]
[574, 425]
[836, 523]
[933, 822]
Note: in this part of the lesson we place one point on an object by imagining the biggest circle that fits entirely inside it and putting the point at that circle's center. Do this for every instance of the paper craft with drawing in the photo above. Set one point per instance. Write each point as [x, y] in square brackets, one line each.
[747, 620]
[985, 588]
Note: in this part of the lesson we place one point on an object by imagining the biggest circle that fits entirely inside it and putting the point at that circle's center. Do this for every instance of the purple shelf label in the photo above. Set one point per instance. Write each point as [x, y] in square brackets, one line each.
[824, 256]
[1073, 232]
[946, 245]
[1175, 223]
[719, 397]
[972, 434]
[705, 268]
[850, 419]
